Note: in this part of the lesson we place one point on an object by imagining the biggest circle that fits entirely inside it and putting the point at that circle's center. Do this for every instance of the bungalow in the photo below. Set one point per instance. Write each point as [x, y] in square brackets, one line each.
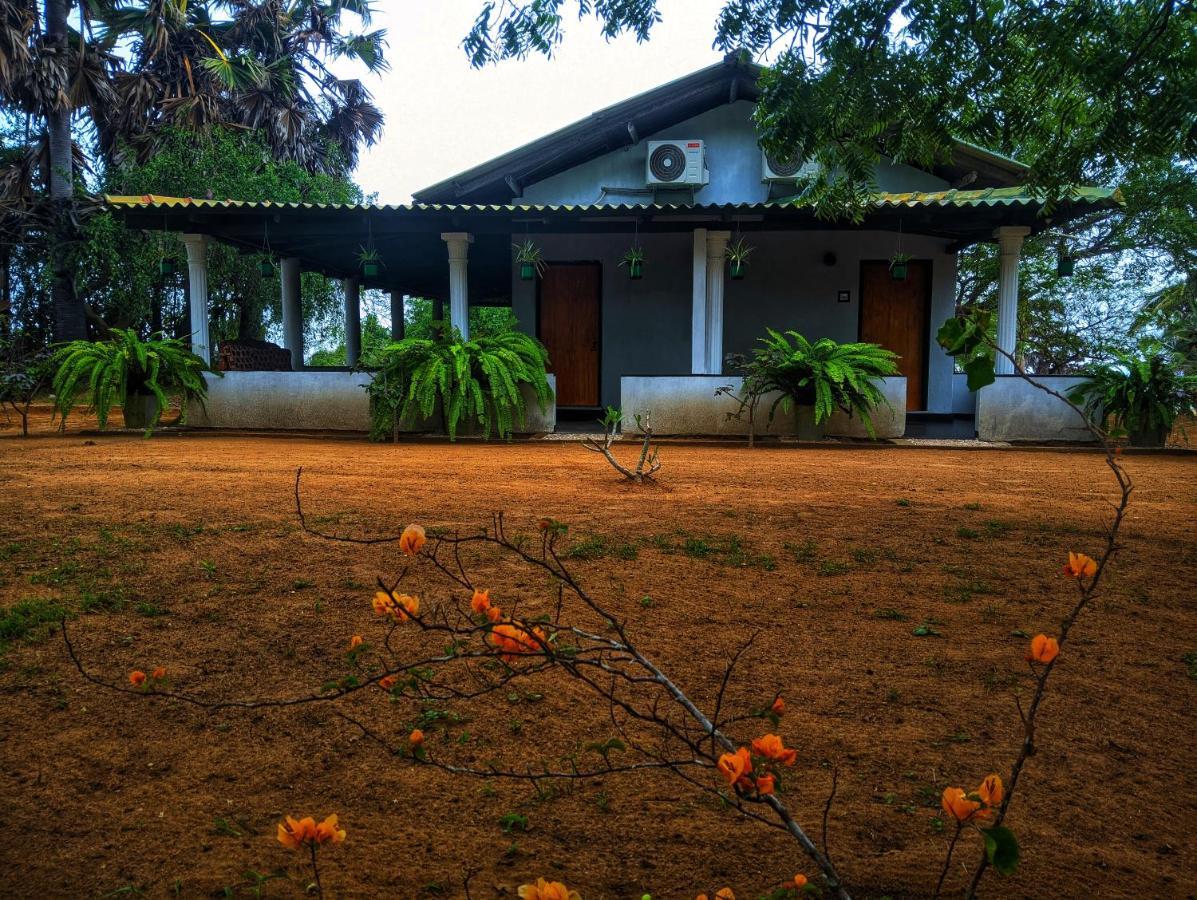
[679, 172]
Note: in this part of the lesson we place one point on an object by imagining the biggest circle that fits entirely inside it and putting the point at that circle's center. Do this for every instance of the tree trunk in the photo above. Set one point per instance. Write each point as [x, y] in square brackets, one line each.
[69, 317]
[5, 293]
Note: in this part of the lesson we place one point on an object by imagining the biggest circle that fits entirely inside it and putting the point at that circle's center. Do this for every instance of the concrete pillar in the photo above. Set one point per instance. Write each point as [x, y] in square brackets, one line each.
[353, 319]
[1010, 239]
[197, 294]
[698, 309]
[292, 310]
[397, 320]
[459, 294]
[716, 247]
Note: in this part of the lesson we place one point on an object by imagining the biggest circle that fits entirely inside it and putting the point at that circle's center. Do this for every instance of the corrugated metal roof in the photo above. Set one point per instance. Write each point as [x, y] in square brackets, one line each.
[1011, 196]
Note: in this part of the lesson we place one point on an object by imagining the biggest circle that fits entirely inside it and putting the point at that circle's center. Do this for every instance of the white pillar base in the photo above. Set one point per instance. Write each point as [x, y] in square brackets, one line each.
[716, 248]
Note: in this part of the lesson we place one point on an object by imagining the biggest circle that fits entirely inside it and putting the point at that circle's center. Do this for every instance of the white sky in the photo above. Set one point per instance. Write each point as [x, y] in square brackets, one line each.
[443, 117]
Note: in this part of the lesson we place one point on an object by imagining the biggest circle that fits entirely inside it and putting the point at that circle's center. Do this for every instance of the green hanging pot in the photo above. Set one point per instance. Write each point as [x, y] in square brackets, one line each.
[166, 267]
[737, 271]
[897, 271]
[636, 270]
[266, 268]
[527, 271]
[1065, 266]
[370, 269]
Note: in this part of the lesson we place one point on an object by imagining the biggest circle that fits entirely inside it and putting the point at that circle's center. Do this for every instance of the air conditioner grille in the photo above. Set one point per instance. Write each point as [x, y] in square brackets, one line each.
[784, 166]
[667, 163]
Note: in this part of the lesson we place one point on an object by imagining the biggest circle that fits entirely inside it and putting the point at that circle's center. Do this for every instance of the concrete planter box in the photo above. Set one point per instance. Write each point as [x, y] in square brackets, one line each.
[1012, 410]
[312, 401]
[687, 405]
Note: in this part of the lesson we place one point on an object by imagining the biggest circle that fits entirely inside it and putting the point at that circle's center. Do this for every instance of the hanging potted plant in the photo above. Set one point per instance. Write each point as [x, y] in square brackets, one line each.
[898, 265]
[370, 261]
[265, 268]
[634, 260]
[1065, 264]
[737, 257]
[530, 261]
[166, 267]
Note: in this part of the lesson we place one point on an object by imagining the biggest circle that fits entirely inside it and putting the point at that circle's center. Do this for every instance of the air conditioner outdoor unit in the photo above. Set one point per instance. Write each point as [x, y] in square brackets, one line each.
[779, 169]
[676, 164]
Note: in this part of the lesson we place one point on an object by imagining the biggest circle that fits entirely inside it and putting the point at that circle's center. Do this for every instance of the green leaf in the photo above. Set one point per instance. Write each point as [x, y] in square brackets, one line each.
[1001, 848]
[980, 372]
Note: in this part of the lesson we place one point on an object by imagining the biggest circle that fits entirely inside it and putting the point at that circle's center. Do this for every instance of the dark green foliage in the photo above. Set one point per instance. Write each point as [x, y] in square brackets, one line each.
[28, 620]
[966, 338]
[826, 375]
[1140, 393]
[476, 380]
[112, 371]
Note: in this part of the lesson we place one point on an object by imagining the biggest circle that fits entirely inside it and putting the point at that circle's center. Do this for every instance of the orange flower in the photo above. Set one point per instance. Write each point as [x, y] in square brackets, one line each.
[544, 524]
[513, 641]
[991, 791]
[388, 682]
[778, 707]
[771, 747]
[1080, 566]
[328, 831]
[293, 833]
[799, 881]
[159, 672]
[721, 894]
[961, 806]
[494, 613]
[412, 540]
[1043, 649]
[355, 642]
[547, 890]
[735, 767]
[416, 738]
[137, 678]
[480, 602]
[386, 603]
[764, 784]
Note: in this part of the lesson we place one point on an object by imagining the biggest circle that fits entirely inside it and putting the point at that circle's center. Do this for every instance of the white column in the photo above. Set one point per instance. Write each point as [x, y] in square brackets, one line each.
[459, 294]
[698, 310]
[197, 292]
[353, 320]
[716, 247]
[292, 310]
[1010, 243]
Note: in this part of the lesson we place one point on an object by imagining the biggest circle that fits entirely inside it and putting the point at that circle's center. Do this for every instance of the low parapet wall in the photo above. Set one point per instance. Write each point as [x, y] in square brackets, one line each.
[688, 405]
[311, 401]
[1010, 409]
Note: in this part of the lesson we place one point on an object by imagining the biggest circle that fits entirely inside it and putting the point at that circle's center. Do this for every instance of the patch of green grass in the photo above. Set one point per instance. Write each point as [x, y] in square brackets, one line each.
[830, 567]
[997, 528]
[151, 610]
[697, 548]
[892, 615]
[903, 502]
[10, 550]
[1190, 661]
[510, 822]
[865, 556]
[972, 506]
[30, 621]
[102, 600]
[807, 551]
[598, 546]
[926, 629]
[302, 584]
[969, 534]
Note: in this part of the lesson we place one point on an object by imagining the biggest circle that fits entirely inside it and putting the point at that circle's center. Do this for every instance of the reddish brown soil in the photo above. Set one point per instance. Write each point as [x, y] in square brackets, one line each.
[105, 792]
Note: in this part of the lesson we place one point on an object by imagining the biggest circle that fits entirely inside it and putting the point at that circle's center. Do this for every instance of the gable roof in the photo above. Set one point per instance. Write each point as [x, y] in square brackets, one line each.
[503, 178]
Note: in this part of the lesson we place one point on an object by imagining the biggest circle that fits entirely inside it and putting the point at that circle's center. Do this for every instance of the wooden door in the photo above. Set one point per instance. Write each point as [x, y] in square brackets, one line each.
[897, 315]
[569, 327]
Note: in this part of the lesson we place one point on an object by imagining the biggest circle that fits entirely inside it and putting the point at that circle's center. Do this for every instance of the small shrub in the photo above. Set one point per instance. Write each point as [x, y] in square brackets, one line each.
[28, 620]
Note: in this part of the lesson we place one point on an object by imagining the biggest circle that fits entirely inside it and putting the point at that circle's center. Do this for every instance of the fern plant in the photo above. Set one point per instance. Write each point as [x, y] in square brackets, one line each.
[115, 370]
[1141, 395]
[825, 374]
[476, 380]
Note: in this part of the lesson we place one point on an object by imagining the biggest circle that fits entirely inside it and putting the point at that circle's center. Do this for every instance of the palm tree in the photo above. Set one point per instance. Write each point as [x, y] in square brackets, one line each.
[262, 65]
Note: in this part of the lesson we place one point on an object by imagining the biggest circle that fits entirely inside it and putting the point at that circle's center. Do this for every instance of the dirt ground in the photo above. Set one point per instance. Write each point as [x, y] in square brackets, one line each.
[184, 551]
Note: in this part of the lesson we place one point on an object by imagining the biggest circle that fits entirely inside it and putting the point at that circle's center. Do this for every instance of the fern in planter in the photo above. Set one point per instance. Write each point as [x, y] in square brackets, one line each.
[139, 376]
[1140, 395]
[825, 375]
[475, 381]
